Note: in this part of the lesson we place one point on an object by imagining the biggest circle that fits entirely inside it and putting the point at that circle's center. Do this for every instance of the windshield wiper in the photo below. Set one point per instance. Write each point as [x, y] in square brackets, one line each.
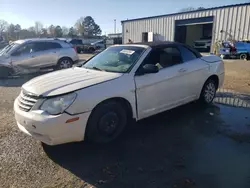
[96, 68]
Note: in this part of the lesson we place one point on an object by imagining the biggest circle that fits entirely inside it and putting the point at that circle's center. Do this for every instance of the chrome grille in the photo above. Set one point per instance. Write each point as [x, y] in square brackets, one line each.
[26, 101]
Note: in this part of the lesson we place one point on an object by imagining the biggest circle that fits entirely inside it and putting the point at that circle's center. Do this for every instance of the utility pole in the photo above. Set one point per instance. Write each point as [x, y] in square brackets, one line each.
[114, 25]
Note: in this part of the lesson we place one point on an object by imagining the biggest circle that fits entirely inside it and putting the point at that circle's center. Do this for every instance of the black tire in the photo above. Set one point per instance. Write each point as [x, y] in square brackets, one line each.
[64, 63]
[243, 56]
[106, 122]
[208, 92]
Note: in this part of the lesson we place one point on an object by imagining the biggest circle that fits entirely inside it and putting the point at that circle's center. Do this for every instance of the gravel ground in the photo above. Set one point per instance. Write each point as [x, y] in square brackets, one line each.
[208, 149]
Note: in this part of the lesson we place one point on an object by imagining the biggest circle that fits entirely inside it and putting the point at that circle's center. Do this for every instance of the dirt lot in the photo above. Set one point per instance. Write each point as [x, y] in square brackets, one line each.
[186, 147]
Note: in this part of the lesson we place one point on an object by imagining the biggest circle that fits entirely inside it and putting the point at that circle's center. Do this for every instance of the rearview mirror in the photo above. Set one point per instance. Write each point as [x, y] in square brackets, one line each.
[150, 68]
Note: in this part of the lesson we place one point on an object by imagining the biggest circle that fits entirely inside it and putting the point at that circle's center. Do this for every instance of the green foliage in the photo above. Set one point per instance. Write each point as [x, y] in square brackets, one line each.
[58, 31]
[87, 27]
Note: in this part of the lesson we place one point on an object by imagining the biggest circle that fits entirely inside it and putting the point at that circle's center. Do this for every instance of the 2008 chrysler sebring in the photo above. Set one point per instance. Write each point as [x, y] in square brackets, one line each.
[96, 101]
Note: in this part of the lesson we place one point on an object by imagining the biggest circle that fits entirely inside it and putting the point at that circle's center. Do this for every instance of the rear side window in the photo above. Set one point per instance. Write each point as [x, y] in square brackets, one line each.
[187, 55]
[76, 41]
[53, 45]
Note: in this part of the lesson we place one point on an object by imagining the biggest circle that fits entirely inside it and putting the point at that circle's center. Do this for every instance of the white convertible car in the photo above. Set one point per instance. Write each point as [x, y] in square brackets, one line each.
[97, 100]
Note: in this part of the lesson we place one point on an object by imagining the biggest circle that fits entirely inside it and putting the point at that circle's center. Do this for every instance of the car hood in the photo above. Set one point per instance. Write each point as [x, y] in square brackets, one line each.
[64, 81]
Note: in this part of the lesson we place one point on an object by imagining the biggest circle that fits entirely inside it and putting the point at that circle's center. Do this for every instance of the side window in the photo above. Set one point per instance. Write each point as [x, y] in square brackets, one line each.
[76, 41]
[164, 57]
[25, 49]
[168, 57]
[53, 45]
[186, 54]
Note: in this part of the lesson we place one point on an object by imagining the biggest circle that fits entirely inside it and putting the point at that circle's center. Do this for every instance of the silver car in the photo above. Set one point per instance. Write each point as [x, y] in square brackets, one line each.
[32, 55]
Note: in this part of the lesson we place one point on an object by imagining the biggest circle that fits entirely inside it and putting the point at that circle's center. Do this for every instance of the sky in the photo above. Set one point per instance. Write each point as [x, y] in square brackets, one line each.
[104, 12]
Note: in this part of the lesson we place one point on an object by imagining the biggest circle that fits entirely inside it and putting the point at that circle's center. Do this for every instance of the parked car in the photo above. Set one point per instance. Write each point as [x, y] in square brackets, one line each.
[96, 101]
[32, 55]
[80, 46]
[239, 50]
[98, 44]
[203, 44]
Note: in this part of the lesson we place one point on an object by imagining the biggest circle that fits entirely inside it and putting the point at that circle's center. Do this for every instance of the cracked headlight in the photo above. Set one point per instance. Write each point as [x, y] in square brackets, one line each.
[58, 105]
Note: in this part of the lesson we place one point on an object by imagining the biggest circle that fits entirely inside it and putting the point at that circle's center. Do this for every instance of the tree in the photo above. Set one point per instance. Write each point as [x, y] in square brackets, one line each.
[38, 27]
[3, 26]
[44, 32]
[17, 30]
[11, 32]
[72, 32]
[79, 26]
[90, 27]
[87, 27]
[58, 31]
[51, 30]
[32, 32]
[65, 31]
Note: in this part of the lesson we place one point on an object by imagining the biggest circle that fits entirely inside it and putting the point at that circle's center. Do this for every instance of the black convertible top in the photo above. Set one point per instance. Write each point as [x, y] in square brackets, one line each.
[157, 44]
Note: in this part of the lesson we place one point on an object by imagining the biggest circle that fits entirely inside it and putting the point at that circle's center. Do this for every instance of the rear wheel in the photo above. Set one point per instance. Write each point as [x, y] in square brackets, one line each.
[64, 63]
[243, 56]
[208, 92]
[106, 122]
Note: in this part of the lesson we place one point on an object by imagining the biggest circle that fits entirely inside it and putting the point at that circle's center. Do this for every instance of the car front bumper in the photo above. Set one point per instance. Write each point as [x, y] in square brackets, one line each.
[51, 129]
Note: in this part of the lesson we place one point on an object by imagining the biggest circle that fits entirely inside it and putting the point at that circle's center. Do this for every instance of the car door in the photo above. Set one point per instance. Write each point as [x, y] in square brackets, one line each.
[45, 54]
[195, 71]
[22, 57]
[157, 92]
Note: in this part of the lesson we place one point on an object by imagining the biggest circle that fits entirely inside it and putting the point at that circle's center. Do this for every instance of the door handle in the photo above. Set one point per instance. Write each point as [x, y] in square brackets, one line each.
[182, 70]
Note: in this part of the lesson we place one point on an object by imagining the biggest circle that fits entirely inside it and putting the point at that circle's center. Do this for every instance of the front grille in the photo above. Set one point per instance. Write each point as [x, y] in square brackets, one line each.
[26, 101]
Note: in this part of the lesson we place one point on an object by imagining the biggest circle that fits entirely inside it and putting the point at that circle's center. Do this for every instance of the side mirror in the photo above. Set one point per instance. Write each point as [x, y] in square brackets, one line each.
[150, 68]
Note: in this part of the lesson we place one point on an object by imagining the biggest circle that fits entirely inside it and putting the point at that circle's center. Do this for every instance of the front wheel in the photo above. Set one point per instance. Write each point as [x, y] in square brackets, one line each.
[64, 63]
[106, 122]
[208, 92]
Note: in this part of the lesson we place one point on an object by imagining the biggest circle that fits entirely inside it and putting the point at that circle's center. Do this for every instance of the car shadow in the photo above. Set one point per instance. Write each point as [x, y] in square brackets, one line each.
[19, 80]
[151, 153]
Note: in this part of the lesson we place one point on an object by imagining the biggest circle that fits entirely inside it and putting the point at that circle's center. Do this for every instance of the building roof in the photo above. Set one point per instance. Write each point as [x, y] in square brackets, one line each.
[178, 13]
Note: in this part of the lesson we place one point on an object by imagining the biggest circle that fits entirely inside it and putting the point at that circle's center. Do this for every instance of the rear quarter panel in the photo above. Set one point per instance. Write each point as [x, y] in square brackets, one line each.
[68, 52]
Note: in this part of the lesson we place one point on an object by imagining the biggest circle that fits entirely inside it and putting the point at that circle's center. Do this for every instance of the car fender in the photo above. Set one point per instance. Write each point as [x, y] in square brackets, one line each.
[88, 98]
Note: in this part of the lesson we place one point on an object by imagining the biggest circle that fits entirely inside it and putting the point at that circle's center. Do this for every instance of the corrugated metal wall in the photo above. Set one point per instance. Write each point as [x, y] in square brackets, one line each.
[235, 20]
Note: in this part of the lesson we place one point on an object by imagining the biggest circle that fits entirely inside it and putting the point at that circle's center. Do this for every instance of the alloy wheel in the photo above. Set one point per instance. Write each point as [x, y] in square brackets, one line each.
[209, 92]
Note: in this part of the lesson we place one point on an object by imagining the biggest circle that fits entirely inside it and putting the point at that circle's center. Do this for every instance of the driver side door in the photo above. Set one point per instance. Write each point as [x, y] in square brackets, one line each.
[22, 57]
[157, 92]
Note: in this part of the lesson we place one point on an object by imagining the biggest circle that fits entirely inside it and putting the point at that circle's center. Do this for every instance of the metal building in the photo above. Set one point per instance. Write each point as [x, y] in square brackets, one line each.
[219, 22]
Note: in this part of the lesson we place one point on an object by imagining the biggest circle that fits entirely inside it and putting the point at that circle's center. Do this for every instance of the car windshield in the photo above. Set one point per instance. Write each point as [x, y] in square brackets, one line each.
[7, 48]
[115, 59]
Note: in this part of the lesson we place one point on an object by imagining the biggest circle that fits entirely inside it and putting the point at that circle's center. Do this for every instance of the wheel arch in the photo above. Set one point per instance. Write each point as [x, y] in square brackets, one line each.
[124, 102]
[64, 57]
[213, 77]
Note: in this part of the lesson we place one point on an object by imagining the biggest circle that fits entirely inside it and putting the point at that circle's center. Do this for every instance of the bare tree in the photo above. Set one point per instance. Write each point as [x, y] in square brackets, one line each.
[51, 30]
[38, 27]
[79, 26]
[3, 26]
[65, 30]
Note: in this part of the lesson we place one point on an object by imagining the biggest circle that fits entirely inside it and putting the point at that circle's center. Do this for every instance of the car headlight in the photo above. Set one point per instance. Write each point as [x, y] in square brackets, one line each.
[58, 105]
